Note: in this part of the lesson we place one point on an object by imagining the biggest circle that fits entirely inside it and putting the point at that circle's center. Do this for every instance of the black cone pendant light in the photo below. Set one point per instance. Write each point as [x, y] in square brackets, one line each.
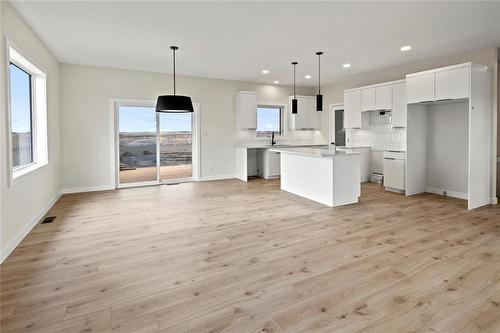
[174, 103]
[319, 97]
[294, 100]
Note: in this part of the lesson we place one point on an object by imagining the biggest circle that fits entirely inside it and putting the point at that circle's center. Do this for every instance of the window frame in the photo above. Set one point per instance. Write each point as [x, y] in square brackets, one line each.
[267, 133]
[38, 112]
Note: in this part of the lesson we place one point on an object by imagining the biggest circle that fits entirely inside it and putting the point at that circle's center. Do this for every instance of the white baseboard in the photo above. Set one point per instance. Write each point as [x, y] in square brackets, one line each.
[217, 177]
[494, 201]
[88, 189]
[452, 194]
[7, 250]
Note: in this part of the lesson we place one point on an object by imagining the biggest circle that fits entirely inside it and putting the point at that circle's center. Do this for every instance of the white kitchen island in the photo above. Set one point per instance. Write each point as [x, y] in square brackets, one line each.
[324, 175]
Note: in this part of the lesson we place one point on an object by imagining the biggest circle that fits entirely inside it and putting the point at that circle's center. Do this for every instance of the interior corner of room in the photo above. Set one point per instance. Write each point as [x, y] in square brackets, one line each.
[152, 168]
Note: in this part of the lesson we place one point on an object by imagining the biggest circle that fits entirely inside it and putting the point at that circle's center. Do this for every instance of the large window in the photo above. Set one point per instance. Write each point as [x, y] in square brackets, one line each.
[27, 115]
[268, 119]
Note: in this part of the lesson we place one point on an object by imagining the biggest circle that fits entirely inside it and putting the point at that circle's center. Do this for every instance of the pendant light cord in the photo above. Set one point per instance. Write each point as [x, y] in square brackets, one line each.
[319, 71]
[174, 70]
[293, 81]
[294, 64]
[319, 74]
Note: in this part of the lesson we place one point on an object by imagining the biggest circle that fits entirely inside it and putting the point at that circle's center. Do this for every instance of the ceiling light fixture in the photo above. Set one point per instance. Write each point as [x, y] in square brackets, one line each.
[276, 82]
[346, 65]
[319, 97]
[405, 48]
[307, 76]
[294, 100]
[174, 103]
[265, 71]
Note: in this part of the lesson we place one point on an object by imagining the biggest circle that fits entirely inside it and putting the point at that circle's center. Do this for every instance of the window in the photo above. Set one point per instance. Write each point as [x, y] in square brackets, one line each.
[268, 119]
[27, 115]
[21, 116]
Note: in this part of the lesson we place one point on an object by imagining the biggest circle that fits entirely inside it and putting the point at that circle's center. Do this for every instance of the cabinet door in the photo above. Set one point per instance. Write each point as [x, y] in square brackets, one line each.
[420, 88]
[352, 109]
[246, 107]
[383, 97]
[274, 164]
[314, 116]
[300, 120]
[368, 99]
[452, 84]
[399, 105]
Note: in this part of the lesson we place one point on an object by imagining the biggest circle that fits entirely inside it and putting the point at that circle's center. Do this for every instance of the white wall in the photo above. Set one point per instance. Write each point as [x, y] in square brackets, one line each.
[334, 93]
[25, 202]
[87, 123]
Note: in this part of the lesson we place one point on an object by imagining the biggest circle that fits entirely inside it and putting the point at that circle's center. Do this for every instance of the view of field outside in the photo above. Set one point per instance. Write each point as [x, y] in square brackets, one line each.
[138, 145]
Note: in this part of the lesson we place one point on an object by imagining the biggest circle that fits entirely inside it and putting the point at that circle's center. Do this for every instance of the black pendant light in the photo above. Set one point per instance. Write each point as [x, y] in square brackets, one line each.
[294, 100]
[319, 97]
[174, 103]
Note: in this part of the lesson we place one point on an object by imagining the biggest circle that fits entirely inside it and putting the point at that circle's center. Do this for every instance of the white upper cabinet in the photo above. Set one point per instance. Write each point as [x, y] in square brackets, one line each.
[452, 83]
[420, 88]
[246, 110]
[399, 104]
[352, 108]
[368, 99]
[314, 116]
[383, 97]
[306, 118]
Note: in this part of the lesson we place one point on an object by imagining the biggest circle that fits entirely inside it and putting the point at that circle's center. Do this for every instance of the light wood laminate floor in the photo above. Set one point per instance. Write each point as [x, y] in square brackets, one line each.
[229, 256]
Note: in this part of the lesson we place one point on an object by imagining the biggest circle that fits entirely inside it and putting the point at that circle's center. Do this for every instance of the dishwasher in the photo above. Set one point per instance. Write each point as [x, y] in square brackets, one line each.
[394, 171]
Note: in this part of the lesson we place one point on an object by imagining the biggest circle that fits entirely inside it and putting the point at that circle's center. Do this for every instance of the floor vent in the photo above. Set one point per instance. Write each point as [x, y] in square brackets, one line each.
[48, 219]
[173, 183]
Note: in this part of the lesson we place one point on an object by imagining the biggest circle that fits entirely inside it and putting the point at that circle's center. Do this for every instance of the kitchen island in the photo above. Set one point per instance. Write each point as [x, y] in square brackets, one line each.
[324, 175]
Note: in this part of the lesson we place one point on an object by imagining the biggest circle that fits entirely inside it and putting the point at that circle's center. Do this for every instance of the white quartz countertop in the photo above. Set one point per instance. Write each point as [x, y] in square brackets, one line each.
[278, 145]
[315, 152]
[353, 146]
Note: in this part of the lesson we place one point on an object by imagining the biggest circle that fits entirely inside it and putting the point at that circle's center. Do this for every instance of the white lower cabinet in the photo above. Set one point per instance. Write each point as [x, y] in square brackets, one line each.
[269, 164]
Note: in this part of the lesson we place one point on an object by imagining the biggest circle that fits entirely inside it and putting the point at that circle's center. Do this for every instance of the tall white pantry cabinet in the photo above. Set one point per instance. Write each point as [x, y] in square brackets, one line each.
[448, 133]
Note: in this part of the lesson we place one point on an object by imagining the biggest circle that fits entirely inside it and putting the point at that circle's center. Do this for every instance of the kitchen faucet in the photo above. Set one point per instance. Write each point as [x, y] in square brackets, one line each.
[273, 140]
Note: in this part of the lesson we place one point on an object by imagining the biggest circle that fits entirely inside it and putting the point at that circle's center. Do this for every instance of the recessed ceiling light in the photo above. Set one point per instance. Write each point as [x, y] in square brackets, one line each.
[276, 82]
[265, 71]
[406, 48]
[346, 65]
[307, 76]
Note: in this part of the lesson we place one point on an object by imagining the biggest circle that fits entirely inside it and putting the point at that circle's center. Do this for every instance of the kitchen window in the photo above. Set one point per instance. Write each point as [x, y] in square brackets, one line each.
[26, 116]
[269, 119]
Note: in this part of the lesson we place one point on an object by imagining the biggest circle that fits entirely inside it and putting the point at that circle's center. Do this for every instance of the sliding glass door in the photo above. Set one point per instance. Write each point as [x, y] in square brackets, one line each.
[137, 145]
[152, 147]
[176, 146]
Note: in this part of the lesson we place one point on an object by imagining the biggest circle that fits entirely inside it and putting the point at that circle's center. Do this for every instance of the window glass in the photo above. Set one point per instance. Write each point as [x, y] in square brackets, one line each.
[21, 117]
[268, 119]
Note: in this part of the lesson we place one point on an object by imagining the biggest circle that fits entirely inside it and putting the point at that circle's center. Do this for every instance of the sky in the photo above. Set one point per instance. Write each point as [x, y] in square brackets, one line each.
[143, 119]
[20, 100]
[268, 119]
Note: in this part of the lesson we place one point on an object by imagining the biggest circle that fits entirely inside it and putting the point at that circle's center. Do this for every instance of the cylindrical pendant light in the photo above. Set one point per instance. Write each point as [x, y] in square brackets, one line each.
[294, 100]
[319, 97]
[174, 103]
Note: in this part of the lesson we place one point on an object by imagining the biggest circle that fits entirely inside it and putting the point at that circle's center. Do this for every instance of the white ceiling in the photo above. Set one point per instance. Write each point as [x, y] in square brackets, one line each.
[236, 40]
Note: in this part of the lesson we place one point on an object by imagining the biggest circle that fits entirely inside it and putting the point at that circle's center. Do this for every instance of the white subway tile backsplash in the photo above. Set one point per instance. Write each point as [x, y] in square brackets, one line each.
[377, 132]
